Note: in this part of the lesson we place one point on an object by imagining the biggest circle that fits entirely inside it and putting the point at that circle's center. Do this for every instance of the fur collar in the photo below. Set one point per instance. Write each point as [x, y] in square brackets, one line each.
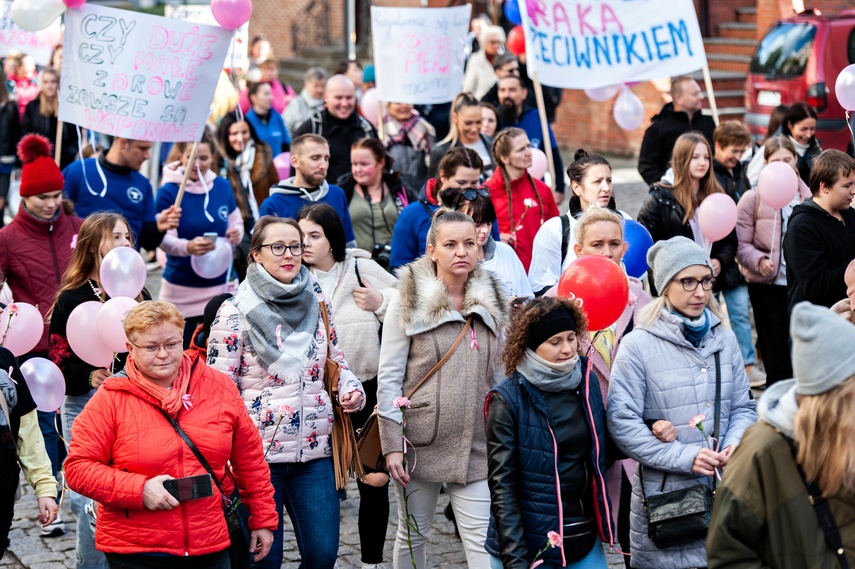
[425, 304]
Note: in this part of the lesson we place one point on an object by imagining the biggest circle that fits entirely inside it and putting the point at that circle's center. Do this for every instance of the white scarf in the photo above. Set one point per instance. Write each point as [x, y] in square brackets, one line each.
[244, 163]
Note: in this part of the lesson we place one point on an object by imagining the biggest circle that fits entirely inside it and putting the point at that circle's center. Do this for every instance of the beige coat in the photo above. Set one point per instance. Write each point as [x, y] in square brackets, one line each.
[445, 424]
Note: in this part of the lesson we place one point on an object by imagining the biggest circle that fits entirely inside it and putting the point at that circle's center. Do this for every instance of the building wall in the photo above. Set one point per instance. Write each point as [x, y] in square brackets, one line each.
[298, 23]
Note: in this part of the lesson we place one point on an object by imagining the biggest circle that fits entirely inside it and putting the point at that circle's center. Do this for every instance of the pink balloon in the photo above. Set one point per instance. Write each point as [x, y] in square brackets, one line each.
[214, 264]
[282, 162]
[628, 110]
[109, 323]
[21, 328]
[46, 383]
[51, 35]
[844, 88]
[82, 332]
[231, 14]
[717, 216]
[539, 164]
[122, 273]
[777, 185]
[601, 94]
[74, 3]
[368, 106]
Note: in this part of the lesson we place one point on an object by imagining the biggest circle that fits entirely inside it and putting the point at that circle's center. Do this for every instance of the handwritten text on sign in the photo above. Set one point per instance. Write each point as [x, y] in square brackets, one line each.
[418, 52]
[138, 76]
[594, 43]
[237, 56]
[36, 44]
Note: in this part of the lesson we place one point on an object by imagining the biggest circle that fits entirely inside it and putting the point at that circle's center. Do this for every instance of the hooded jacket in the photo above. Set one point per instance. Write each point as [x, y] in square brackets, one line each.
[762, 515]
[121, 439]
[662, 134]
[445, 425]
[340, 135]
[817, 249]
[658, 374]
[287, 199]
[34, 255]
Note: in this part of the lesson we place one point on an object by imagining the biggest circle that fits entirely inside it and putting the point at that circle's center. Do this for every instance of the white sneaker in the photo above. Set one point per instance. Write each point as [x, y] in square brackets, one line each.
[55, 529]
[756, 378]
[374, 566]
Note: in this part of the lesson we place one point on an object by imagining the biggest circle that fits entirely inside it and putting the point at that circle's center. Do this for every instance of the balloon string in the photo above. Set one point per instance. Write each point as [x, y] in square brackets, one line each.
[849, 124]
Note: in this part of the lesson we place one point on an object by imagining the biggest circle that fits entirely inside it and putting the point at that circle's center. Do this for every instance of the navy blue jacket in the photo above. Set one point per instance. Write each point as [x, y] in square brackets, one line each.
[537, 501]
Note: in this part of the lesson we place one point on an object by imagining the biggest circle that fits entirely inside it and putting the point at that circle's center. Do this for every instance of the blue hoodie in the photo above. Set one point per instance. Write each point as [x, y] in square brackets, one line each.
[272, 131]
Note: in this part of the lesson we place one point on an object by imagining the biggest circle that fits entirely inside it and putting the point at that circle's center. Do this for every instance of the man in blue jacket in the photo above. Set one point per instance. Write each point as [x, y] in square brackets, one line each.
[515, 112]
[310, 159]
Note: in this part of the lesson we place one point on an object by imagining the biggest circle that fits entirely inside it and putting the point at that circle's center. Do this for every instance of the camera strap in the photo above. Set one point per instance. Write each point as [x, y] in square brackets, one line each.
[358, 277]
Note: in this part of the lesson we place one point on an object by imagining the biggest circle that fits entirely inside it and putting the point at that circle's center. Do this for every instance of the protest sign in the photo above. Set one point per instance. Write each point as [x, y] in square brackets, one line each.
[237, 57]
[39, 44]
[587, 44]
[139, 76]
[418, 52]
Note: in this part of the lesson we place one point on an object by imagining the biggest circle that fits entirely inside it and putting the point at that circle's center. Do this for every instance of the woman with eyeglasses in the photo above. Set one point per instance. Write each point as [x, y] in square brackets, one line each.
[663, 378]
[272, 341]
[494, 256]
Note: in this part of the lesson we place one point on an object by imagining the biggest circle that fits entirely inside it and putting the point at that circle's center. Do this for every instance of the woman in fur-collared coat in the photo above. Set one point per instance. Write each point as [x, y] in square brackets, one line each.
[444, 426]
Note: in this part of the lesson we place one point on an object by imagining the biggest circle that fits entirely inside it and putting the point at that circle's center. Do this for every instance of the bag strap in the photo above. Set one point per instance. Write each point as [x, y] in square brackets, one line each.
[822, 510]
[565, 237]
[196, 452]
[358, 276]
[327, 380]
[5, 407]
[444, 359]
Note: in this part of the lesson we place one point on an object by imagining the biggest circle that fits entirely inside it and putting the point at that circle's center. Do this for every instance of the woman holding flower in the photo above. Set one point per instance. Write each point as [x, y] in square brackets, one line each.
[664, 375]
[522, 202]
[546, 445]
[446, 304]
[272, 341]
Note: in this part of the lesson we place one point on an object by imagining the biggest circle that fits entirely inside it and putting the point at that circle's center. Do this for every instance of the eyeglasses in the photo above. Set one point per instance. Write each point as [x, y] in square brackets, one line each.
[278, 249]
[472, 195]
[691, 285]
[155, 349]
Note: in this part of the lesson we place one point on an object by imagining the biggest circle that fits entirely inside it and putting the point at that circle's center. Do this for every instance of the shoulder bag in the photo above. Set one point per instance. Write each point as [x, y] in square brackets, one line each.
[5, 407]
[682, 515]
[343, 438]
[239, 548]
[368, 445]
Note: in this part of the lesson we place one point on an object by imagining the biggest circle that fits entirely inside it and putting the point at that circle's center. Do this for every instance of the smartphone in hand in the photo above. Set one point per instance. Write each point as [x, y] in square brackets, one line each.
[211, 236]
[190, 487]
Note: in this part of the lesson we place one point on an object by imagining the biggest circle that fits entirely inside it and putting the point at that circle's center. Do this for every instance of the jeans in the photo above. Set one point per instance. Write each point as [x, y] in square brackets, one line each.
[738, 306]
[596, 559]
[48, 424]
[308, 492]
[471, 505]
[87, 556]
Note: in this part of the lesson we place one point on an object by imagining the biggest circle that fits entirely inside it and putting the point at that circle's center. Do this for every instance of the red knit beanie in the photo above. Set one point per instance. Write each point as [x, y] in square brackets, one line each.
[40, 175]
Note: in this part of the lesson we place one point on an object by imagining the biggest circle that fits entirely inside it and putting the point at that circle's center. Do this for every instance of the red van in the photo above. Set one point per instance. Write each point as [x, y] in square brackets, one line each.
[799, 59]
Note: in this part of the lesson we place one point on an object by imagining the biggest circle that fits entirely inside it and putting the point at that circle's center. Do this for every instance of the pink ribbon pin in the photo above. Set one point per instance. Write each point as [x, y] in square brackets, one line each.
[279, 337]
[473, 343]
[187, 401]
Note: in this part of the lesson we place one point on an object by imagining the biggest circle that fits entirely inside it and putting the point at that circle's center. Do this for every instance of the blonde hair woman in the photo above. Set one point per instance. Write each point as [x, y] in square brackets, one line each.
[465, 131]
[40, 117]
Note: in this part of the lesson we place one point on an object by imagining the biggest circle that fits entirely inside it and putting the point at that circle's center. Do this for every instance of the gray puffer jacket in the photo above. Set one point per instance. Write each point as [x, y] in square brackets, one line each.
[658, 374]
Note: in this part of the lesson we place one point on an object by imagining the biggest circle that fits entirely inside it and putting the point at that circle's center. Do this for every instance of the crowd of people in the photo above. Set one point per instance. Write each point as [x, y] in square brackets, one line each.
[424, 267]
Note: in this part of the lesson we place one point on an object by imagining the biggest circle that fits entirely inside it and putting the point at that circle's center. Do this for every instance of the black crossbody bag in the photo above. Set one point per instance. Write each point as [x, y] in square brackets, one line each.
[239, 548]
[682, 515]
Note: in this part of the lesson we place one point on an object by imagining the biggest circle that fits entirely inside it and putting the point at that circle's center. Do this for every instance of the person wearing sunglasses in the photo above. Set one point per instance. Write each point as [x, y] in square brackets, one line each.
[494, 256]
[664, 380]
[272, 341]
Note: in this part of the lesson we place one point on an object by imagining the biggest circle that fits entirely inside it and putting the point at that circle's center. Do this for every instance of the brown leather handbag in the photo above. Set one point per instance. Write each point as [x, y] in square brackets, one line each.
[368, 442]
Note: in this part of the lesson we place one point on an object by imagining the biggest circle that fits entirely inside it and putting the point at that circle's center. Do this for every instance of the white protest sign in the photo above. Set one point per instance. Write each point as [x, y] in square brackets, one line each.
[418, 52]
[39, 44]
[139, 76]
[595, 43]
[237, 56]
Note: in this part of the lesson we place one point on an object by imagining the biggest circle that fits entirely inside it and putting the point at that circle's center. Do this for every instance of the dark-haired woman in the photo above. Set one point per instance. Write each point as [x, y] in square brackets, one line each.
[553, 251]
[799, 125]
[522, 203]
[550, 406]
[359, 290]
[375, 195]
[441, 297]
[272, 341]
[248, 166]
[460, 168]
[494, 256]
[267, 122]
[465, 131]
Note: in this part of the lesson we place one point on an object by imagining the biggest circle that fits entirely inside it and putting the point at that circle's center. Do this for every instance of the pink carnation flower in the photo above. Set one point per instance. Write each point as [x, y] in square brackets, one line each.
[554, 539]
[401, 402]
[697, 422]
[285, 411]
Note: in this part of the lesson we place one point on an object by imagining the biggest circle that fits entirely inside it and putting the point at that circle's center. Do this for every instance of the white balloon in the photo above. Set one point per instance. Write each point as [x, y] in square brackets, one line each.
[601, 94]
[628, 110]
[35, 15]
[214, 264]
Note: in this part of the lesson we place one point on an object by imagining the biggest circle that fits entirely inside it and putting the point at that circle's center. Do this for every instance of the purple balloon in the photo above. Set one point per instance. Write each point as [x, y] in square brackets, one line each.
[717, 216]
[46, 383]
[777, 184]
[123, 272]
[21, 328]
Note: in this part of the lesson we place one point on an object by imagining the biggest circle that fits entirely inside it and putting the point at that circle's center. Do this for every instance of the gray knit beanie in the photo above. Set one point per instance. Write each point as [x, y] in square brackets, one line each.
[823, 357]
[667, 258]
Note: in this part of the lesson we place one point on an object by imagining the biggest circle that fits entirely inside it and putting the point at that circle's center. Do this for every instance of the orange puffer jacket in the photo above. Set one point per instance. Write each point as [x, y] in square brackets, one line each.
[121, 439]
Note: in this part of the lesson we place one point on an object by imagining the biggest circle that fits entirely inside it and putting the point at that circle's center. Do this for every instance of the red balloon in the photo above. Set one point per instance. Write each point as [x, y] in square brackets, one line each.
[601, 288]
[516, 41]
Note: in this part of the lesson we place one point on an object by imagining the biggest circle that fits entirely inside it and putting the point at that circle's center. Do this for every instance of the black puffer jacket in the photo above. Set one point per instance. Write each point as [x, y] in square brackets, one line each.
[660, 137]
[10, 129]
[662, 215]
[733, 183]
